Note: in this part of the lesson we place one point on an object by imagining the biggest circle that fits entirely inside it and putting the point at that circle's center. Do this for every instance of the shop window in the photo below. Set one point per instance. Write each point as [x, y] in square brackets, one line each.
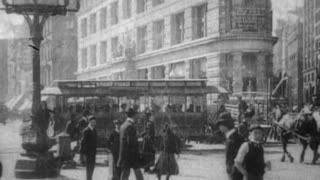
[84, 58]
[157, 2]
[177, 27]
[114, 13]
[143, 74]
[158, 34]
[84, 25]
[199, 21]
[93, 24]
[142, 39]
[103, 51]
[116, 48]
[93, 55]
[141, 6]
[158, 72]
[103, 18]
[126, 8]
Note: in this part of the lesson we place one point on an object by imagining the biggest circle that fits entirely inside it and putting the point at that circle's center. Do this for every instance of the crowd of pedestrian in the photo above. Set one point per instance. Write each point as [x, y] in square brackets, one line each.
[126, 150]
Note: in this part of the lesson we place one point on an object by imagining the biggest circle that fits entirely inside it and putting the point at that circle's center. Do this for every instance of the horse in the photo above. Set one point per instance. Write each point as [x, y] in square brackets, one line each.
[304, 125]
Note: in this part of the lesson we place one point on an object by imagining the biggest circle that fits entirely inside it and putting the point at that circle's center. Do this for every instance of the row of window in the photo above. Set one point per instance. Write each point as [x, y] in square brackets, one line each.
[317, 3]
[309, 78]
[317, 30]
[308, 64]
[199, 30]
[114, 15]
[317, 16]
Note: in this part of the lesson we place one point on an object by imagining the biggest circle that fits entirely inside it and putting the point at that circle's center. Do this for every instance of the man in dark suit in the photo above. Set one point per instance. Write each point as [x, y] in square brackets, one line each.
[114, 145]
[242, 108]
[233, 143]
[44, 115]
[129, 148]
[89, 146]
[81, 125]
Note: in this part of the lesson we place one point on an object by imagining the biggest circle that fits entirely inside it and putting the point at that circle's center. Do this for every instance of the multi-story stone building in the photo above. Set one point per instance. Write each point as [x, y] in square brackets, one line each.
[228, 42]
[288, 58]
[295, 64]
[19, 71]
[316, 24]
[309, 51]
[59, 49]
[3, 69]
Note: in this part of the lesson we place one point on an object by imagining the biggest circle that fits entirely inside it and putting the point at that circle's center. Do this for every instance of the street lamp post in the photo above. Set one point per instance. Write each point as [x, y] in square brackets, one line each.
[37, 162]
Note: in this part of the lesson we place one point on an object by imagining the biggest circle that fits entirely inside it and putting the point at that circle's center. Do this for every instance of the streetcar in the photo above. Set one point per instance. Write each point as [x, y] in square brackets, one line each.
[180, 103]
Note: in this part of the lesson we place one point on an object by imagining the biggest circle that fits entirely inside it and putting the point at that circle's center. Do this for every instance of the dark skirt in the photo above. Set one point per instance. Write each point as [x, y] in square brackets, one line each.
[167, 164]
[148, 159]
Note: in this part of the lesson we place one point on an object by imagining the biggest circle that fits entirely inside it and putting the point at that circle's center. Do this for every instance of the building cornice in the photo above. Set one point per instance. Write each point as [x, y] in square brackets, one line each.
[204, 41]
[188, 45]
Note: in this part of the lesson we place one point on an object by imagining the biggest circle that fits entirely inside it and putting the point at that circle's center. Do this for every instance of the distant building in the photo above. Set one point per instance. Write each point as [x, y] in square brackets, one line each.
[19, 71]
[310, 30]
[228, 42]
[294, 64]
[58, 51]
[19, 67]
[3, 69]
[288, 58]
[316, 26]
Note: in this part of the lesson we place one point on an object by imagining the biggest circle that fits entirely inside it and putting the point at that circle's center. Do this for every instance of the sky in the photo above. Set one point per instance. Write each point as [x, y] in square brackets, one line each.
[280, 9]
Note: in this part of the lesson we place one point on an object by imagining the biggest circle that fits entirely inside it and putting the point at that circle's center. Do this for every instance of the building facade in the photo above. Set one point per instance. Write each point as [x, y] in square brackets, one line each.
[288, 58]
[317, 48]
[58, 51]
[19, 71]
[228, 42]
[3, 69]
[309, 51]
[294, 64]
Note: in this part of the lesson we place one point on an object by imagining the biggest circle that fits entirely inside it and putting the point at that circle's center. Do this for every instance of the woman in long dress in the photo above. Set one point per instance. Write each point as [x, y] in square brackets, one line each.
[167, 164]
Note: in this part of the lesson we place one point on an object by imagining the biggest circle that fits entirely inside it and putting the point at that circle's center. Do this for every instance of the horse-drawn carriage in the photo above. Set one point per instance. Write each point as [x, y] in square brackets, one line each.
[303, 126]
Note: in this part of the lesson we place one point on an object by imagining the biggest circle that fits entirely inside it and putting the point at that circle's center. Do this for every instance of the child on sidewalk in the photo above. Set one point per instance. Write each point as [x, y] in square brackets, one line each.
[250, 158]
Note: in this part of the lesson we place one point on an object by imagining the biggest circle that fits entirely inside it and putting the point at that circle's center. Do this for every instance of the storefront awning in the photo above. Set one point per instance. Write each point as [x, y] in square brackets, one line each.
[51, 91]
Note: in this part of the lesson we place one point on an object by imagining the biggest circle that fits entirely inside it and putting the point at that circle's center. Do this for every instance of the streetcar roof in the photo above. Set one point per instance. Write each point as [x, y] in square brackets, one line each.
[191, 87]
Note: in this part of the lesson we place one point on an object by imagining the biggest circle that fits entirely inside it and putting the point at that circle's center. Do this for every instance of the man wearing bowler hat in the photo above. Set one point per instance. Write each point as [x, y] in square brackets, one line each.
[233, 143]
[129, 148]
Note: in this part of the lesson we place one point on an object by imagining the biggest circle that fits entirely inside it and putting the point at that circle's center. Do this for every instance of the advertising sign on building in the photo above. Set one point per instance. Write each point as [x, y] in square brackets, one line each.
[250, 19]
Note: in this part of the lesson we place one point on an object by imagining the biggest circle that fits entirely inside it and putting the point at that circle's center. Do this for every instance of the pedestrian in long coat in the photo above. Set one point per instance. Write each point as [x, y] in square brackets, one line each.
[233, 143]
[148, 149]
[82, 124]
[129, 156]
[89, 146]
[71, 128]
[114, 146]
[167, 164]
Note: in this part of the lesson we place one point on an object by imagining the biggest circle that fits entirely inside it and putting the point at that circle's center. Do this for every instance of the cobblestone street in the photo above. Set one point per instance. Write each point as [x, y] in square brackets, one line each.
[197, 162]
